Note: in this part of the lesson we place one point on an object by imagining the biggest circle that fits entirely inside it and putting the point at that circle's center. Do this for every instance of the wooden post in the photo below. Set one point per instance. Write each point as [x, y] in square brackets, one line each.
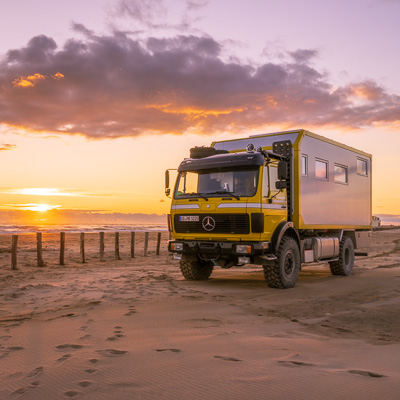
[101, 246]
[40, 262]
[158, 243]
[132, 244]
[14, 243]
[62, 247]
[146, 243]
[82, 247]
[117, 257]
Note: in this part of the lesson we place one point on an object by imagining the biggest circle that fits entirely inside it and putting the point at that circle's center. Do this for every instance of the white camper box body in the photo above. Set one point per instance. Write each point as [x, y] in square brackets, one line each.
[342, 202]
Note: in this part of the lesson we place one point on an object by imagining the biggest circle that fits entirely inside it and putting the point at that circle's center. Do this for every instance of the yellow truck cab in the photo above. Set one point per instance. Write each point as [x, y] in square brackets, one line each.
[277, 200]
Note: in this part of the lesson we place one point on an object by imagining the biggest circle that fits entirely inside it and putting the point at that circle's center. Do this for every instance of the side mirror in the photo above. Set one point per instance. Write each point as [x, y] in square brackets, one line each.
[281, 185]
[167, 189]
[282, 170]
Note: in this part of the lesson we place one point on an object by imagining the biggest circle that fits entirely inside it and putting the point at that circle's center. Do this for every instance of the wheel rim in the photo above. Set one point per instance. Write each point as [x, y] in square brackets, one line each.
[289, 263]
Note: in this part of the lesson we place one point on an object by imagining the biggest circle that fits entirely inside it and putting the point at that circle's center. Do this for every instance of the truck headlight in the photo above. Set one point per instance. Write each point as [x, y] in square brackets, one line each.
[177, 246]
[243, 249]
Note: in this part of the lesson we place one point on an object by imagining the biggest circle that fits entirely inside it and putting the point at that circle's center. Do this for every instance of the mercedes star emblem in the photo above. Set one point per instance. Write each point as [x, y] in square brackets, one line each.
[208, 223]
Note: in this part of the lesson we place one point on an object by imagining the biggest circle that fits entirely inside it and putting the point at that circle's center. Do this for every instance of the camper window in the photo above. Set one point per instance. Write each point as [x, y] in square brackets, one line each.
[340, 174]
[304, 165]
[362, 167]
[321, 169]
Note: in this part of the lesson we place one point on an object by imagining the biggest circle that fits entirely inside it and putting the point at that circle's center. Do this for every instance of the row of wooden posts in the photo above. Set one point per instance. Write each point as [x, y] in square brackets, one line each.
[41, 263]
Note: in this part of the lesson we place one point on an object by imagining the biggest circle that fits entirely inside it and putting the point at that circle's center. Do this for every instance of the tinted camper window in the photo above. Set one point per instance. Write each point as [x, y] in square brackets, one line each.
[304, 165]
[362, 167]
[340, 174]
[321, 169]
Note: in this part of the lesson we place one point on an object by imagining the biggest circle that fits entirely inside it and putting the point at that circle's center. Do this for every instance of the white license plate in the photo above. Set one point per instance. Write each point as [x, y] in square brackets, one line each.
[189, 218]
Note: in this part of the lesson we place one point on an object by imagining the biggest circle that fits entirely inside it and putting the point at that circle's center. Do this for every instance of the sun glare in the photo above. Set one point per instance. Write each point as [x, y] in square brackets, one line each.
[36, 207]
[40, 207]
[42, 192]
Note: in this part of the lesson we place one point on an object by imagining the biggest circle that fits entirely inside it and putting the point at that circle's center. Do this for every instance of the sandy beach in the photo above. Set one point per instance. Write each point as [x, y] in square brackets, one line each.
[135, 329]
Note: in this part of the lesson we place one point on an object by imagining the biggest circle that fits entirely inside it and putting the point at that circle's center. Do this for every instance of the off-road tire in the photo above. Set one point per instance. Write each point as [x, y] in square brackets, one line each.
[344, 265]
[195, 270]
[283, 273]
[203, 151]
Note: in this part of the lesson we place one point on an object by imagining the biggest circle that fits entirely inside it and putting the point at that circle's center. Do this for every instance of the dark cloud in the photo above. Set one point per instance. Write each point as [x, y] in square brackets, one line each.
[116, 85]
[142, 11]
[303, 55]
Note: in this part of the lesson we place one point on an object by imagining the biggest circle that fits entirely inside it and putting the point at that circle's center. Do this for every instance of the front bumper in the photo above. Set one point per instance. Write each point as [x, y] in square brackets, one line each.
[212, 250]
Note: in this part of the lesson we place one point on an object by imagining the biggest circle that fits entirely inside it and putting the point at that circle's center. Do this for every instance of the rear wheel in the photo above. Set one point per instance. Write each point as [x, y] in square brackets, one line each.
[284, 271]
[344, 265]
[196, 270]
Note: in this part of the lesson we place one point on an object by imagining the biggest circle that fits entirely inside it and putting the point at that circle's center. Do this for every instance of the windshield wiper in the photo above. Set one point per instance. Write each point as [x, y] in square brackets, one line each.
[227, 193]
[198, 194]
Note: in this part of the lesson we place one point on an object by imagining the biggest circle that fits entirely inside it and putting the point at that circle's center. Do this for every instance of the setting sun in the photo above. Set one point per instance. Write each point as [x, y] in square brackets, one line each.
[41, 207]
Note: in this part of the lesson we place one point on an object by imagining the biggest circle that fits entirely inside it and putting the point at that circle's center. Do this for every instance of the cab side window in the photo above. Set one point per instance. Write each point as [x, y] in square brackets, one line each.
[273, 173]
[269, 179]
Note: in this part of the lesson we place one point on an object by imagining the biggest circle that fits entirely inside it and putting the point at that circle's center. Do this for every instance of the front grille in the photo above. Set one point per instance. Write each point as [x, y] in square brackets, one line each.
[224, 223]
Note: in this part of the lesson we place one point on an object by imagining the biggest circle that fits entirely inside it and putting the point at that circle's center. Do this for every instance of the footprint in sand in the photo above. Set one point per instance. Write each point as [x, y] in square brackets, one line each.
[296, 363]
[173, 350]
[118, 333]
[227, 358]
[69, 346]
[19, 391]
[131, 311]
[111, 352]
[71, 393]
[35, 372]
[64, 358]
[15, 348]
[90, 370]
[94, 360]
[366, 373]
[85, 383]
[85, 336]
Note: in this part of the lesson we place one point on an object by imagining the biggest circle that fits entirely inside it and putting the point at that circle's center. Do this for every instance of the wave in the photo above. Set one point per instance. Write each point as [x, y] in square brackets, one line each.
[20, 229]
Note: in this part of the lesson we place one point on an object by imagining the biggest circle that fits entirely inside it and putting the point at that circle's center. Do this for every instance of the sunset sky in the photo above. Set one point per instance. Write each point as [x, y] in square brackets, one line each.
[99, 97]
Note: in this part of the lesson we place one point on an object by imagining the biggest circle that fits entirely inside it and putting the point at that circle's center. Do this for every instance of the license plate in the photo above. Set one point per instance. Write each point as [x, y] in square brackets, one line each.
[189, 218]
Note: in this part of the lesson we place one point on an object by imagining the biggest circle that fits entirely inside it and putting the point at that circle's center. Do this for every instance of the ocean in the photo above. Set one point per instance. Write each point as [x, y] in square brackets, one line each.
[21, 229]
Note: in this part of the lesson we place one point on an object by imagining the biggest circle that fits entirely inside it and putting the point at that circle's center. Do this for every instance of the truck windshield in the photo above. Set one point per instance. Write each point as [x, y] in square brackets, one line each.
[236, 182]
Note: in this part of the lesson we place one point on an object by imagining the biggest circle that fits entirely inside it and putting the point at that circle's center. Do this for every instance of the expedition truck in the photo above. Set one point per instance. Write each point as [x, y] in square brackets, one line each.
[277, 200]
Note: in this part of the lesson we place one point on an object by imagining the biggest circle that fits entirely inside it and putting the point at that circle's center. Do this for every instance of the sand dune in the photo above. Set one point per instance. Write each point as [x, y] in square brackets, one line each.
[135, 329]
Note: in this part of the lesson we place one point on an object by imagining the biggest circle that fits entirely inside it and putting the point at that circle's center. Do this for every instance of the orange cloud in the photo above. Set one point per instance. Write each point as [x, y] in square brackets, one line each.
[192, 112]
[366, 90]
[58, 76]
[27, 81]
[30, 81]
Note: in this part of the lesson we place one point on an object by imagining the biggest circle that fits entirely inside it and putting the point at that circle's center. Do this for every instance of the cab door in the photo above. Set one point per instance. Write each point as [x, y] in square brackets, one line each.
[273, 202]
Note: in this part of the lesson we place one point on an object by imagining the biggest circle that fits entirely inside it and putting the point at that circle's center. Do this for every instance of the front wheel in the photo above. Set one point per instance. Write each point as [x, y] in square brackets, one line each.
[344, 265]
[196, 270]
[284, 271]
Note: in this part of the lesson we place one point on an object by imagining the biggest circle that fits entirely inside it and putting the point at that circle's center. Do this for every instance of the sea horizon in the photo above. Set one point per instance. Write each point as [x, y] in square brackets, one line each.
[13, 229]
